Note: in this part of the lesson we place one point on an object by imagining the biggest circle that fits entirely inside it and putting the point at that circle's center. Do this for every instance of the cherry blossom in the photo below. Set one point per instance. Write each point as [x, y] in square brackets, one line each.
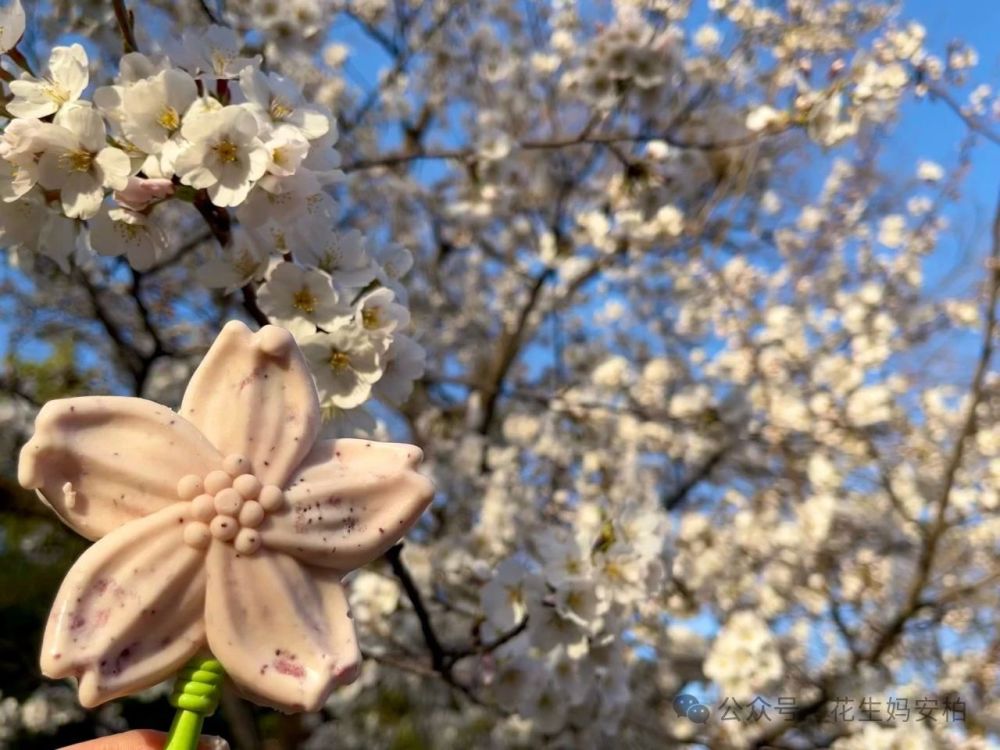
[224, 154]
[152, 108]
[62, 83]
[346, 363]
[276, 101]
[292, 292]
[119, 231]
[77, 162]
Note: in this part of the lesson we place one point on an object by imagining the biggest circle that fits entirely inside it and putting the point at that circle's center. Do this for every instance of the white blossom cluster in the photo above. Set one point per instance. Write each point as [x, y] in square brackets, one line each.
[43, 712]
[744, 660]
[199, 122]
[629, 53]
[578, 591]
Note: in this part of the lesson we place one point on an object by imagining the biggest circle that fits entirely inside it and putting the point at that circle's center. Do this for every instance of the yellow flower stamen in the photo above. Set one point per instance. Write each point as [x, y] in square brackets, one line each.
[245, 264]
[279, 241]
[304, 300]
[339, 360]
[77, 161]
[226, 151]
[55, 93]
[280, 109]
[128, 231]
[169, 118]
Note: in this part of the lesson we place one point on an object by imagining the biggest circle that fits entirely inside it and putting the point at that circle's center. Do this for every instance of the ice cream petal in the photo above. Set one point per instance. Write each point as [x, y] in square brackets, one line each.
[350, 501]
[101, 461]
[253, 396]
[130, 611]
[330, 459]
[282, 631]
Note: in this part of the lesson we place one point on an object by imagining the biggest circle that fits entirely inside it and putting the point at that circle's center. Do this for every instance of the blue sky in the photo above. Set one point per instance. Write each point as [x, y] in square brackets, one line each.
[931, 130]
[927, 129]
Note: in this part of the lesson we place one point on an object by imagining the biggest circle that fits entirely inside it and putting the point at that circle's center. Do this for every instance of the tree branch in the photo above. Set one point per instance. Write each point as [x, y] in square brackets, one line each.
[403, 57]
[146, 361]
[510, 344]
[972, 122]
[127, 353]
[221, 226]
[373, 32]
[913, 602]
[125, 24]
[681, 492]
[210, 13]
[584, 138]
[492, 645]
[17, 57]
[439, 655]
[250, 305]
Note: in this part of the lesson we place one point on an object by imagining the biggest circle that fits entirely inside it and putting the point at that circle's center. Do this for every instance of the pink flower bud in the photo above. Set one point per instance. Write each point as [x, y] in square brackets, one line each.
[140, 192]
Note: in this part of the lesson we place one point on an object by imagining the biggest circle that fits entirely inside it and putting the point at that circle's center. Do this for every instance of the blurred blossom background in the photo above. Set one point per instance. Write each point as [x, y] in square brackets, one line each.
[691, 305]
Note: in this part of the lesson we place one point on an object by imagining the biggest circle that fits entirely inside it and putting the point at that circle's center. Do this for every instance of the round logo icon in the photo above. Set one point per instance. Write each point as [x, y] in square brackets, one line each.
[688, 707]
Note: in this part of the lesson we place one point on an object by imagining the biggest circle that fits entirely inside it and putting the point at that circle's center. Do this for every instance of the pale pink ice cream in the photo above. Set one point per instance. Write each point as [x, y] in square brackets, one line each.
[225, 525]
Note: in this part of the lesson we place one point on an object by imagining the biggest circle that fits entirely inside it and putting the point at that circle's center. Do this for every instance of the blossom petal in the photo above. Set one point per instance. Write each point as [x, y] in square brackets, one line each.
[70, 68]
[81, 196]
[12, 21]
[349, 502]
[29, 100]
[101, 461]
[129, 612]
[253, 395]
[50, 171]
[282, 631]
[85, 123]
[115, 166]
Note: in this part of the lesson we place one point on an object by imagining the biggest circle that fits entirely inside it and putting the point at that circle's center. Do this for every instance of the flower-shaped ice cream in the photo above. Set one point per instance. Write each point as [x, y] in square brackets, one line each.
[226, 525]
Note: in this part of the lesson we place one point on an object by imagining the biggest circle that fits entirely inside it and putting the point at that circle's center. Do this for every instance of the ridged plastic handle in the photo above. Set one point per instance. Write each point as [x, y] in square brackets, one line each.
[195, 696]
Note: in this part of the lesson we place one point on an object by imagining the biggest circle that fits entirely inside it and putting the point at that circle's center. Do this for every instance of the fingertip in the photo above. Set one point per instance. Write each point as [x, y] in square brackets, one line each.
[137, 739]
[143, 739]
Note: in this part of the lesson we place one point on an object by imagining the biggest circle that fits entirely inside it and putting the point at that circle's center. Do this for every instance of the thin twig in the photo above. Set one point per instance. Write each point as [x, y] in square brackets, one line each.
[971, 121]
[210, 13]
[220, 224]
[399, 67]
[376, 34]
[159, 350]
[439, 655]
[184, 249]
[137, 362]
[680, 493]
[508, 348]
[584, 138]
[251, 306]
[488, 647]
[17, 57]
[125, 24]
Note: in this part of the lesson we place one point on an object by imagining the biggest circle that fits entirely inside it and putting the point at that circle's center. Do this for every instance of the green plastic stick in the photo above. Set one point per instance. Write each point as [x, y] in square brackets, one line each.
[195, 696]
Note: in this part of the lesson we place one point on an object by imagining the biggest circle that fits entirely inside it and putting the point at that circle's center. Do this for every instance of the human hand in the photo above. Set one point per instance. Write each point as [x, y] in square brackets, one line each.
[143, 739]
